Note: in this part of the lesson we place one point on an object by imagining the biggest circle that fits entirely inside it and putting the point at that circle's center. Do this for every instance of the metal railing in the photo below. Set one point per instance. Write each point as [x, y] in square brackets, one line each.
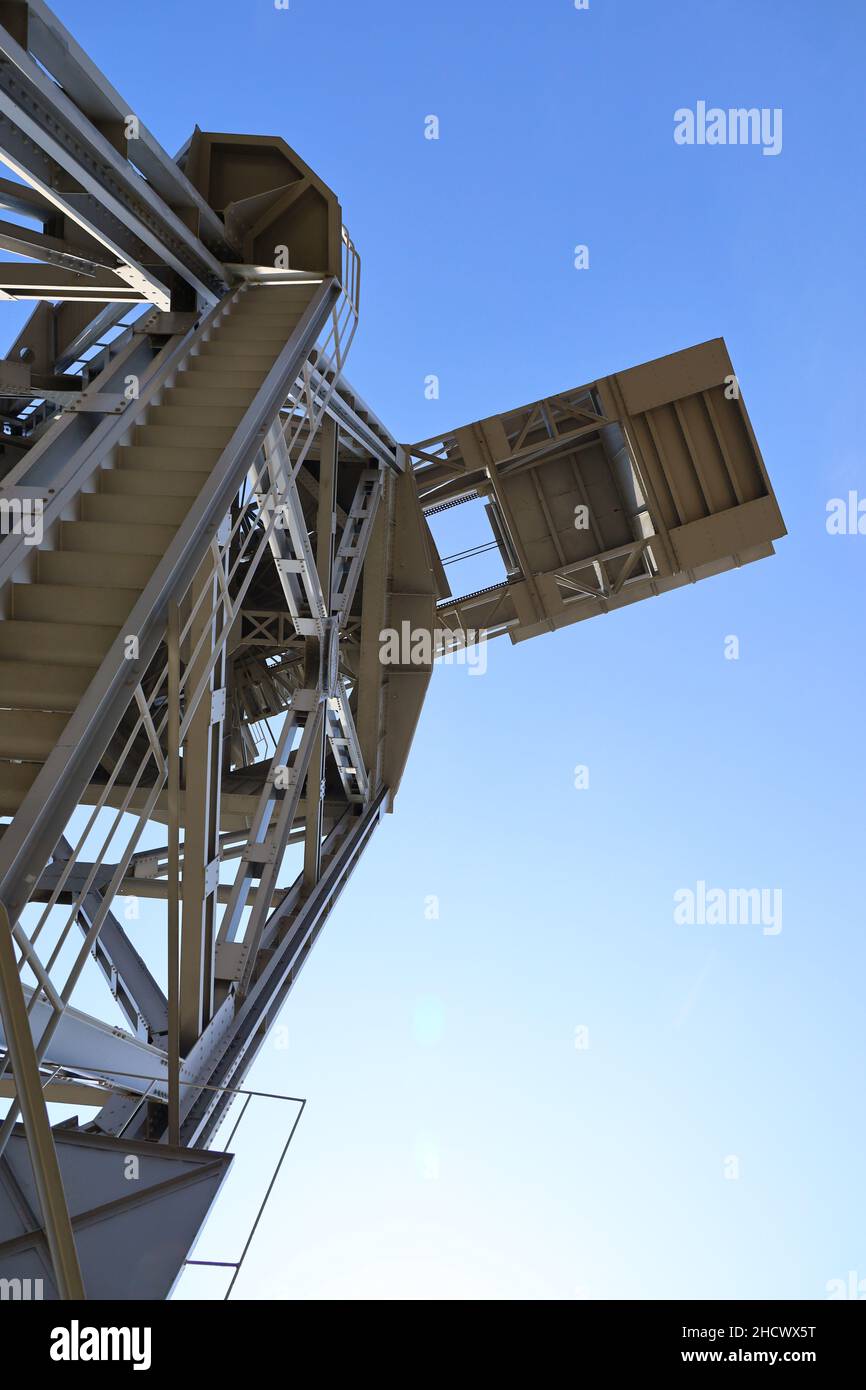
[96, 358]
[206, 574]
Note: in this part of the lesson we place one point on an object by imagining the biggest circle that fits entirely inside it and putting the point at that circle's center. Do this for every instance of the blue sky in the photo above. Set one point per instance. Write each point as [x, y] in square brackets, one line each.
[456, 1142]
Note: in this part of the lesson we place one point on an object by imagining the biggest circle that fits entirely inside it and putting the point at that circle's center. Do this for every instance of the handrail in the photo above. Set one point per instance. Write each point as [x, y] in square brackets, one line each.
[91, 453]
[57, 789]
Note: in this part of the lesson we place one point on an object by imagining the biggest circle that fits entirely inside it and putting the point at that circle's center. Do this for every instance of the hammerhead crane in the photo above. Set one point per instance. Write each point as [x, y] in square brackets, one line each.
[205, 527]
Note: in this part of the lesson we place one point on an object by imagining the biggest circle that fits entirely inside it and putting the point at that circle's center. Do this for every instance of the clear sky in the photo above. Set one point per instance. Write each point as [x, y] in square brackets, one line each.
[709, 1140]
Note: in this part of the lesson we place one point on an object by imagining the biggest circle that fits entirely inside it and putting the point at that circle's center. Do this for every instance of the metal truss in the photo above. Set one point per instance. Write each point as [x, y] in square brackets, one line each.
[147, 738]
[195, 641]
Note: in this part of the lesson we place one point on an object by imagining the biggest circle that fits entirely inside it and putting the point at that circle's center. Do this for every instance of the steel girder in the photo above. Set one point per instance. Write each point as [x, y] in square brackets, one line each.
[304, 539]
[77, 143]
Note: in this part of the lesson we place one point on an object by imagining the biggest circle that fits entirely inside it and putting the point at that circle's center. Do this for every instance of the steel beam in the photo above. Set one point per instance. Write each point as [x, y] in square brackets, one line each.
[202, 765]
[326, 520]
[118, 202]
[61, 784]
[34, 1111]
[231, 1042]
[130, 981]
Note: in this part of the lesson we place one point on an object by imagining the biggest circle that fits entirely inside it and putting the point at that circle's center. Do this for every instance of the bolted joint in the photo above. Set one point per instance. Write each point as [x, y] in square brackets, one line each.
[329, 673]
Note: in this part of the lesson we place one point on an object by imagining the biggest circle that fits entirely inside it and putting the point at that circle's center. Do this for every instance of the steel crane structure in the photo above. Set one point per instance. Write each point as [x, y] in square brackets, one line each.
[205, 527]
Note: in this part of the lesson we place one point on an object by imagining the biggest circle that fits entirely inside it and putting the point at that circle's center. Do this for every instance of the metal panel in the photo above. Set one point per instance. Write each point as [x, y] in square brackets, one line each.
[614, 491]
[136, 1210]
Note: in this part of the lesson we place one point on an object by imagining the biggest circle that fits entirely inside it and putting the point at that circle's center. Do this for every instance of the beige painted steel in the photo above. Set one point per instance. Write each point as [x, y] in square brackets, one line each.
[47, 659]
[600, 496]
[660, 466]
[269, 197]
